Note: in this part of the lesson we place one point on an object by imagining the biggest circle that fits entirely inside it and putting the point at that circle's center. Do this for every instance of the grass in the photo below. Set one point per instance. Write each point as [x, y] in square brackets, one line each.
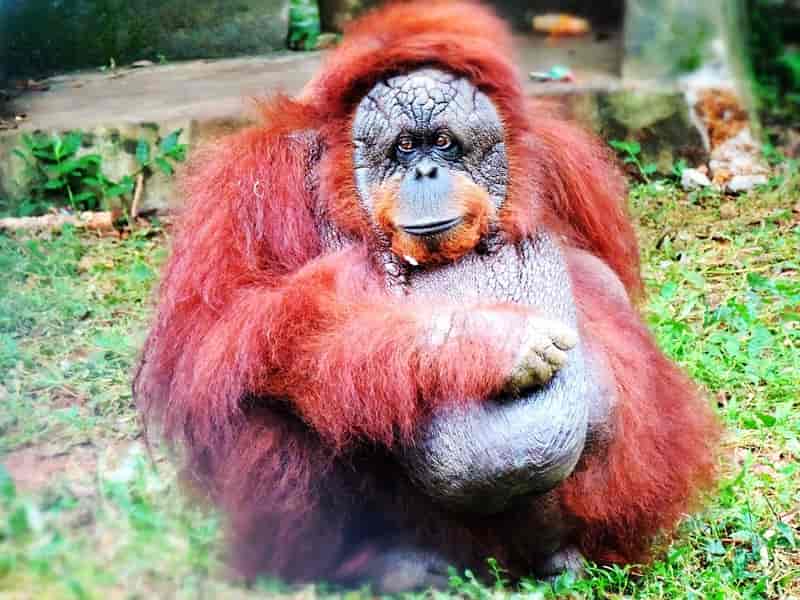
[89, 515]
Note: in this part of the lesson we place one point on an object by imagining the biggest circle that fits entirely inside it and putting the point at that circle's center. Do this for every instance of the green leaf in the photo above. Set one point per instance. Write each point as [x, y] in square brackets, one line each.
[44, 154]
[715, 547]
[668, 290]
[757, 281]
[178, 153]
[29, 207]
[55, 184]
[65, 167]
[70, 143]
[123, 187]
[99, 180]
[140, 272]
[18, 522]
[117, 190]
[169, 143]
[142, 151]
[77, 589]
[767, 420]
[630, 147]
[84, 196]
[679, 167]
[787, 533]
[90, 159]
[8, 490]
[164, 166]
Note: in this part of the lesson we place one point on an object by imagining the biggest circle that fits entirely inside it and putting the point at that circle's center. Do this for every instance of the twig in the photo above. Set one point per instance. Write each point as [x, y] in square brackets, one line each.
[137, 196]
[101, 221]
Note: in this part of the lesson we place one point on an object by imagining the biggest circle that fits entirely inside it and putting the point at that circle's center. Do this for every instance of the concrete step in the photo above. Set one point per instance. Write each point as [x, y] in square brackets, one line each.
[206, 98]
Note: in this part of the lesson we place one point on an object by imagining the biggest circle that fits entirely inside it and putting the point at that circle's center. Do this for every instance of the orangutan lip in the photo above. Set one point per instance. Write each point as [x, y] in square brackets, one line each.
[431, 228]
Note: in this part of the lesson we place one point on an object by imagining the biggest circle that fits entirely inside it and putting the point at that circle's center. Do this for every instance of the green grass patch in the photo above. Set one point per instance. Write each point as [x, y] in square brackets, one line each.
[91, 516]
[72, 315]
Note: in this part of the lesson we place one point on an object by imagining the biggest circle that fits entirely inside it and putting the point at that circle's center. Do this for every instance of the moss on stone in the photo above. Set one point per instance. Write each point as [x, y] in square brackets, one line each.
[42, 36]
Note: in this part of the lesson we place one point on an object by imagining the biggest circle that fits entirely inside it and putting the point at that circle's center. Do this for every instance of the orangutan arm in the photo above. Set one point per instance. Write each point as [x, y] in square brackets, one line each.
[356, 362]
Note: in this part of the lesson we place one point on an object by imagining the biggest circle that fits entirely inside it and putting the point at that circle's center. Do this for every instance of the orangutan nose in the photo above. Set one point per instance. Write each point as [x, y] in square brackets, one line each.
[426, 168]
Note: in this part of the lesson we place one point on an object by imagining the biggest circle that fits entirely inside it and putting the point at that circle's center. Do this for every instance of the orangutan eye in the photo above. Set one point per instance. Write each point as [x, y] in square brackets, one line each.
[443, 141]
[405, 143]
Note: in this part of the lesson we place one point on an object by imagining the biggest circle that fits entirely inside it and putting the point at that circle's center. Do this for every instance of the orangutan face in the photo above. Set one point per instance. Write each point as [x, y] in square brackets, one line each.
[430, 163]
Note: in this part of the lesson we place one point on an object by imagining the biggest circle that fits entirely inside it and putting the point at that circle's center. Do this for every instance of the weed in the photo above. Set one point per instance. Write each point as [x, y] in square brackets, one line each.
[168, 151]
[771, 37]
[630, 151]
[60, 176]
[304, 26]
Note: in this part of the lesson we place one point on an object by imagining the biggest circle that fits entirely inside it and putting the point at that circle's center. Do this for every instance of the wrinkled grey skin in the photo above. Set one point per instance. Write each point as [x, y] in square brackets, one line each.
[423, 103]
[496, 455]
[481, 457]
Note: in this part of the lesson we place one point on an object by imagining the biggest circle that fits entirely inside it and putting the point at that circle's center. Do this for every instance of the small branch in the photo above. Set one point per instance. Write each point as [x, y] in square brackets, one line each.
[100, 221]
[137, 196]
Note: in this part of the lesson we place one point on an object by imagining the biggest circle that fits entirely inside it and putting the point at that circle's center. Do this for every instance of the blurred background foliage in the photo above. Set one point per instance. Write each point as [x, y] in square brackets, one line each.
[773, 46]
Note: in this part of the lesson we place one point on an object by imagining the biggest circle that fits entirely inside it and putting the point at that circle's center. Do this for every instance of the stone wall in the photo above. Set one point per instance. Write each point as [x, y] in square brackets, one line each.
[39, 37]
[116, 145]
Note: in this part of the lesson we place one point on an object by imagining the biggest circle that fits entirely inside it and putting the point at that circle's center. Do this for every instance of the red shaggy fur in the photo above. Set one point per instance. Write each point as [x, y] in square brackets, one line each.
[664, 442]
[255, 317]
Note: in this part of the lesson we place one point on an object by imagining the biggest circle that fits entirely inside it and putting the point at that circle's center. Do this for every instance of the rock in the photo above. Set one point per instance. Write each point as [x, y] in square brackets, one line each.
[142, 64]
[723, 114]
[745, 183]
[740, 155]
[658, 119]
[737, 164]
[721, 177]
[694, 179]
[728, 210]
[662, 38]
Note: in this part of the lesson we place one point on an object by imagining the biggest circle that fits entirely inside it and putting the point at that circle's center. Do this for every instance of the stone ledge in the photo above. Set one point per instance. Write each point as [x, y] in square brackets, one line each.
[205, 100]
[658, 117]
[117, 147]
